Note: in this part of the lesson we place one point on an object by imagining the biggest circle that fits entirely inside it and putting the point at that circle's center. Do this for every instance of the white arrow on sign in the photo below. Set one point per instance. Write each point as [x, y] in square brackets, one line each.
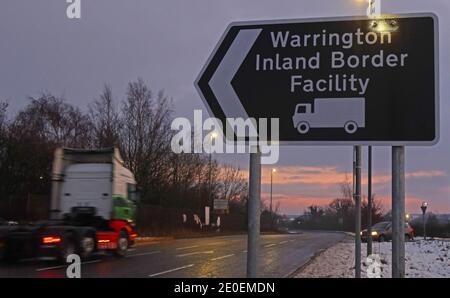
[220, 82]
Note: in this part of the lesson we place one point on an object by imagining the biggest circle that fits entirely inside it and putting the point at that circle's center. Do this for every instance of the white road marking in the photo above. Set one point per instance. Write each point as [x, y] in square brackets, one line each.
[171, 270]
[222, 257]
[186, 247]
[131, 249]
[196, 253]
[282, 242]
[270, 245]
[216, 243]
[90, 262]
[244, 251]
[64, 266]
[143, 254]
[51, 268]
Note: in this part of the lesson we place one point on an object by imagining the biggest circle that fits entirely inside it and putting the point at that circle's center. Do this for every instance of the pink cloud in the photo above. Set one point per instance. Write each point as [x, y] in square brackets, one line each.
[320, 185]
[330, 175]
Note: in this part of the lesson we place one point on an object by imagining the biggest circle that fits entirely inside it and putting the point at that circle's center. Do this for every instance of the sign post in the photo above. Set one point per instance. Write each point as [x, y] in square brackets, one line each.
[374, 8]
[253, 214]
[357, 198]
[398, 211]
[369, 200]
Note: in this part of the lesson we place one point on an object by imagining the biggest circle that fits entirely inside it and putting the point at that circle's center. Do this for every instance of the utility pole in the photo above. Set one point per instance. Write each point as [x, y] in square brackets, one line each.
[398, 211]
[424, 210]
[210, 202]
[357, 198]
[271, 183]
[253, 213]
[369, 201]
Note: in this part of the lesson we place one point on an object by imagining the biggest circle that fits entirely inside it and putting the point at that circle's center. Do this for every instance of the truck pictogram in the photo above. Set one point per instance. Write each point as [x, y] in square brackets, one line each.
[347, 113]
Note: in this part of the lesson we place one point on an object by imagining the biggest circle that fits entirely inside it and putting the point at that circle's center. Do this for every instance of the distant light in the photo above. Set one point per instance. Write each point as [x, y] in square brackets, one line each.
[424, 204]
[274, 170]
[214, 135]
[374, 233]
[41, 177]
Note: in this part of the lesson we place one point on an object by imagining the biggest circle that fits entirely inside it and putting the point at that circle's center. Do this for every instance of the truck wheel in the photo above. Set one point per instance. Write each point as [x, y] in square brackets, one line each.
[303, 127]
[350, 127]
[122, 244]
[68, 248]
[87, 246]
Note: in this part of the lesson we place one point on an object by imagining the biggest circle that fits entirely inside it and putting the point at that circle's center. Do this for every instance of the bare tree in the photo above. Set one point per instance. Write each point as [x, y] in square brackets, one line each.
[3, 116]
[233, 186]
[105, 120]
[51, 119]
[145, 137]
[346, 189]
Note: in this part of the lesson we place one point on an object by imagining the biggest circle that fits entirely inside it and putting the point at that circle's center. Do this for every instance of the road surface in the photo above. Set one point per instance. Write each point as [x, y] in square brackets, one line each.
[225, 256]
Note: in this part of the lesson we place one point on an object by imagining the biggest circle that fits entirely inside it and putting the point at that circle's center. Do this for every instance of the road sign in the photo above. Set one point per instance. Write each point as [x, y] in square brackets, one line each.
[220, 204]
[334, 81]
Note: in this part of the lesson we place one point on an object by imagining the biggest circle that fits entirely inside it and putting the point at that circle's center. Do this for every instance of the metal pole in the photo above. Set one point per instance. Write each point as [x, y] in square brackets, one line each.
[424, 226]
[209, 203]
[253, 214]
[271, 179]
[210, 178]
[271, 217]
[357, 197]
[398, 211]
[369, 201]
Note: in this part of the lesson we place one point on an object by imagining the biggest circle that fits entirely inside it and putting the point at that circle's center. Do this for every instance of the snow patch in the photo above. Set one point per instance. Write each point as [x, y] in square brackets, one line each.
[423, 258]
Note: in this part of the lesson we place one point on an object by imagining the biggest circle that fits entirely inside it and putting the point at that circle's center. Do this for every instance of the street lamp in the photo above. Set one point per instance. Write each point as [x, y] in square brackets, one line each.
[211, 203]
[271, 187]
[271, 180]
[424, 210]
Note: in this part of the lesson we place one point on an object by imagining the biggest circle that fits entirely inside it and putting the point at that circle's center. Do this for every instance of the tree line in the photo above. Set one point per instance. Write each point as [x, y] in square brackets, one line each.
[138, 124]
[340, 212]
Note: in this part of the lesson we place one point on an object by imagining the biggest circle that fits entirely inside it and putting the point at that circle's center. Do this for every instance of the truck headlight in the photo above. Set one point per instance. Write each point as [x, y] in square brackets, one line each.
[374, 233]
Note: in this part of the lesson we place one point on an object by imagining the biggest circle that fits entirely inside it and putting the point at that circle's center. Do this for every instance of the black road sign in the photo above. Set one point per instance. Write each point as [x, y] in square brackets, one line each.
[330, 81]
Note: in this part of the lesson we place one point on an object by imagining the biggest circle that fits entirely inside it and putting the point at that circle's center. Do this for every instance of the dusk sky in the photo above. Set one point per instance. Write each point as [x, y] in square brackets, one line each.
[167, 42]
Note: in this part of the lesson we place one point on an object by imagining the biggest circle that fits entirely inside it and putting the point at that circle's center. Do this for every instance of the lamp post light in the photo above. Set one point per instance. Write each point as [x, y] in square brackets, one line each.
[424, 210]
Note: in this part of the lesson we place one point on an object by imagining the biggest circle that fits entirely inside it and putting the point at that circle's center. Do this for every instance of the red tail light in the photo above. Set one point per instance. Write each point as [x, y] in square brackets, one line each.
[51, 240]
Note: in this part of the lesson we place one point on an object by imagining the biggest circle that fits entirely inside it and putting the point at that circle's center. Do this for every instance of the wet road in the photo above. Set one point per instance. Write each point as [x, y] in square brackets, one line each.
[225, 256]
